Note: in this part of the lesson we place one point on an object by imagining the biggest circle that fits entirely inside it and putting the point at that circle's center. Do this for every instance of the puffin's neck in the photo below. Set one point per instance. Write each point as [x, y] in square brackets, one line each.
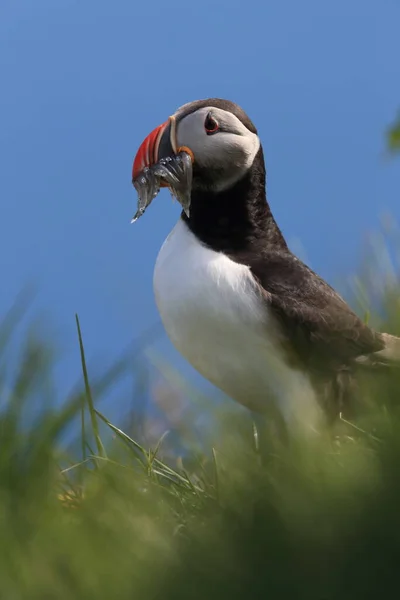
[237, 220]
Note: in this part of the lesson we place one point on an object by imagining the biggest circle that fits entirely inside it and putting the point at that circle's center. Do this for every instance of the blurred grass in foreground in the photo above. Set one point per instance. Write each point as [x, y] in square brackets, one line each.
[316, 518]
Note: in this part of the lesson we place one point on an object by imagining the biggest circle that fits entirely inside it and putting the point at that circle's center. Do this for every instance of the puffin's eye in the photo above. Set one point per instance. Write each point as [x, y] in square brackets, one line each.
[210, 124]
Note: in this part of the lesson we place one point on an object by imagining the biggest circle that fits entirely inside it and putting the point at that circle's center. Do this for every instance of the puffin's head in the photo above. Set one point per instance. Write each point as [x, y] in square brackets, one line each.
[218, 135]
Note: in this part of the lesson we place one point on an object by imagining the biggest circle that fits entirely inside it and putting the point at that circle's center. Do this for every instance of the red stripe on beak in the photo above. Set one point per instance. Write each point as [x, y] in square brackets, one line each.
[147, 155]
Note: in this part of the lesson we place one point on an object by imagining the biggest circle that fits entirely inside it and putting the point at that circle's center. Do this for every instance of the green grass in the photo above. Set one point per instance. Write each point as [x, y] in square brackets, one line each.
[246, 517]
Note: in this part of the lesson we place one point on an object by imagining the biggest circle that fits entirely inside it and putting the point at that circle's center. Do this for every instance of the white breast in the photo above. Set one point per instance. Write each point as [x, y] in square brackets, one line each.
[213, 313]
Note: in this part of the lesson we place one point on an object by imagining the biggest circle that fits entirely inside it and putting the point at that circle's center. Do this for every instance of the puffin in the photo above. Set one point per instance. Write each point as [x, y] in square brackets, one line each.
[234, 300]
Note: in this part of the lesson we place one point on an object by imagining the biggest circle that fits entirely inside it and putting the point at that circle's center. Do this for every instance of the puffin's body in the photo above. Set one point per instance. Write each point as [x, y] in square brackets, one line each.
[214, 313]
[234, 300]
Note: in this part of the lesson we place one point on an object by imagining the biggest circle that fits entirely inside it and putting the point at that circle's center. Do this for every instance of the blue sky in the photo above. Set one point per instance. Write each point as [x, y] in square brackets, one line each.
[82, 83]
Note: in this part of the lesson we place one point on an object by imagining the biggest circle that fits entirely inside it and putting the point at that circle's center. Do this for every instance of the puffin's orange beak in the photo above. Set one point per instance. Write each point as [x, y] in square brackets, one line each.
[160, 143]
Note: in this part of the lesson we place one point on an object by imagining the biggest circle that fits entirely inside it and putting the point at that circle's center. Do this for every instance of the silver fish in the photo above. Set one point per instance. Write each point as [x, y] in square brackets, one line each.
[176, 171]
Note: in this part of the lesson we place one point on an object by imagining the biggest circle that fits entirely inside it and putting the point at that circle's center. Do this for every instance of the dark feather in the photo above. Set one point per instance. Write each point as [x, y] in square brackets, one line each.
[319, 324]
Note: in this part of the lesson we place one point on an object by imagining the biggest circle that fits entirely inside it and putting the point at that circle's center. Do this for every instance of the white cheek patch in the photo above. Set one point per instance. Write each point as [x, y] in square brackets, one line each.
[191, 132]
[246, 149]
[232, 150]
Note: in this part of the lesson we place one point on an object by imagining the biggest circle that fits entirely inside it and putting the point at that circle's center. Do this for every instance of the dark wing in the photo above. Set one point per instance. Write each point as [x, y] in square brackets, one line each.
[314, 320]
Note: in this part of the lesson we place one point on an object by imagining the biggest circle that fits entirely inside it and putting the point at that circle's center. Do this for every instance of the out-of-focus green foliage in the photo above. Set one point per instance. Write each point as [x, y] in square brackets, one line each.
[394, 136]
[249, 517]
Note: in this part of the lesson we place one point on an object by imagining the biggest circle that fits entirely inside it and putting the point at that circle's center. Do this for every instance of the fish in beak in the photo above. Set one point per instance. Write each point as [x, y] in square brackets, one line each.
[160, 163]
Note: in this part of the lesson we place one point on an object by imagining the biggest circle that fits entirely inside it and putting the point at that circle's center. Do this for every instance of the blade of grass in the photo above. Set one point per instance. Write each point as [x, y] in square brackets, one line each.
[100, 448]
[128, 440]
[153, 455]
[77, 465]
[370, 435]
[88, 446]
[214, 455]
[256, 438]
[83, 430]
